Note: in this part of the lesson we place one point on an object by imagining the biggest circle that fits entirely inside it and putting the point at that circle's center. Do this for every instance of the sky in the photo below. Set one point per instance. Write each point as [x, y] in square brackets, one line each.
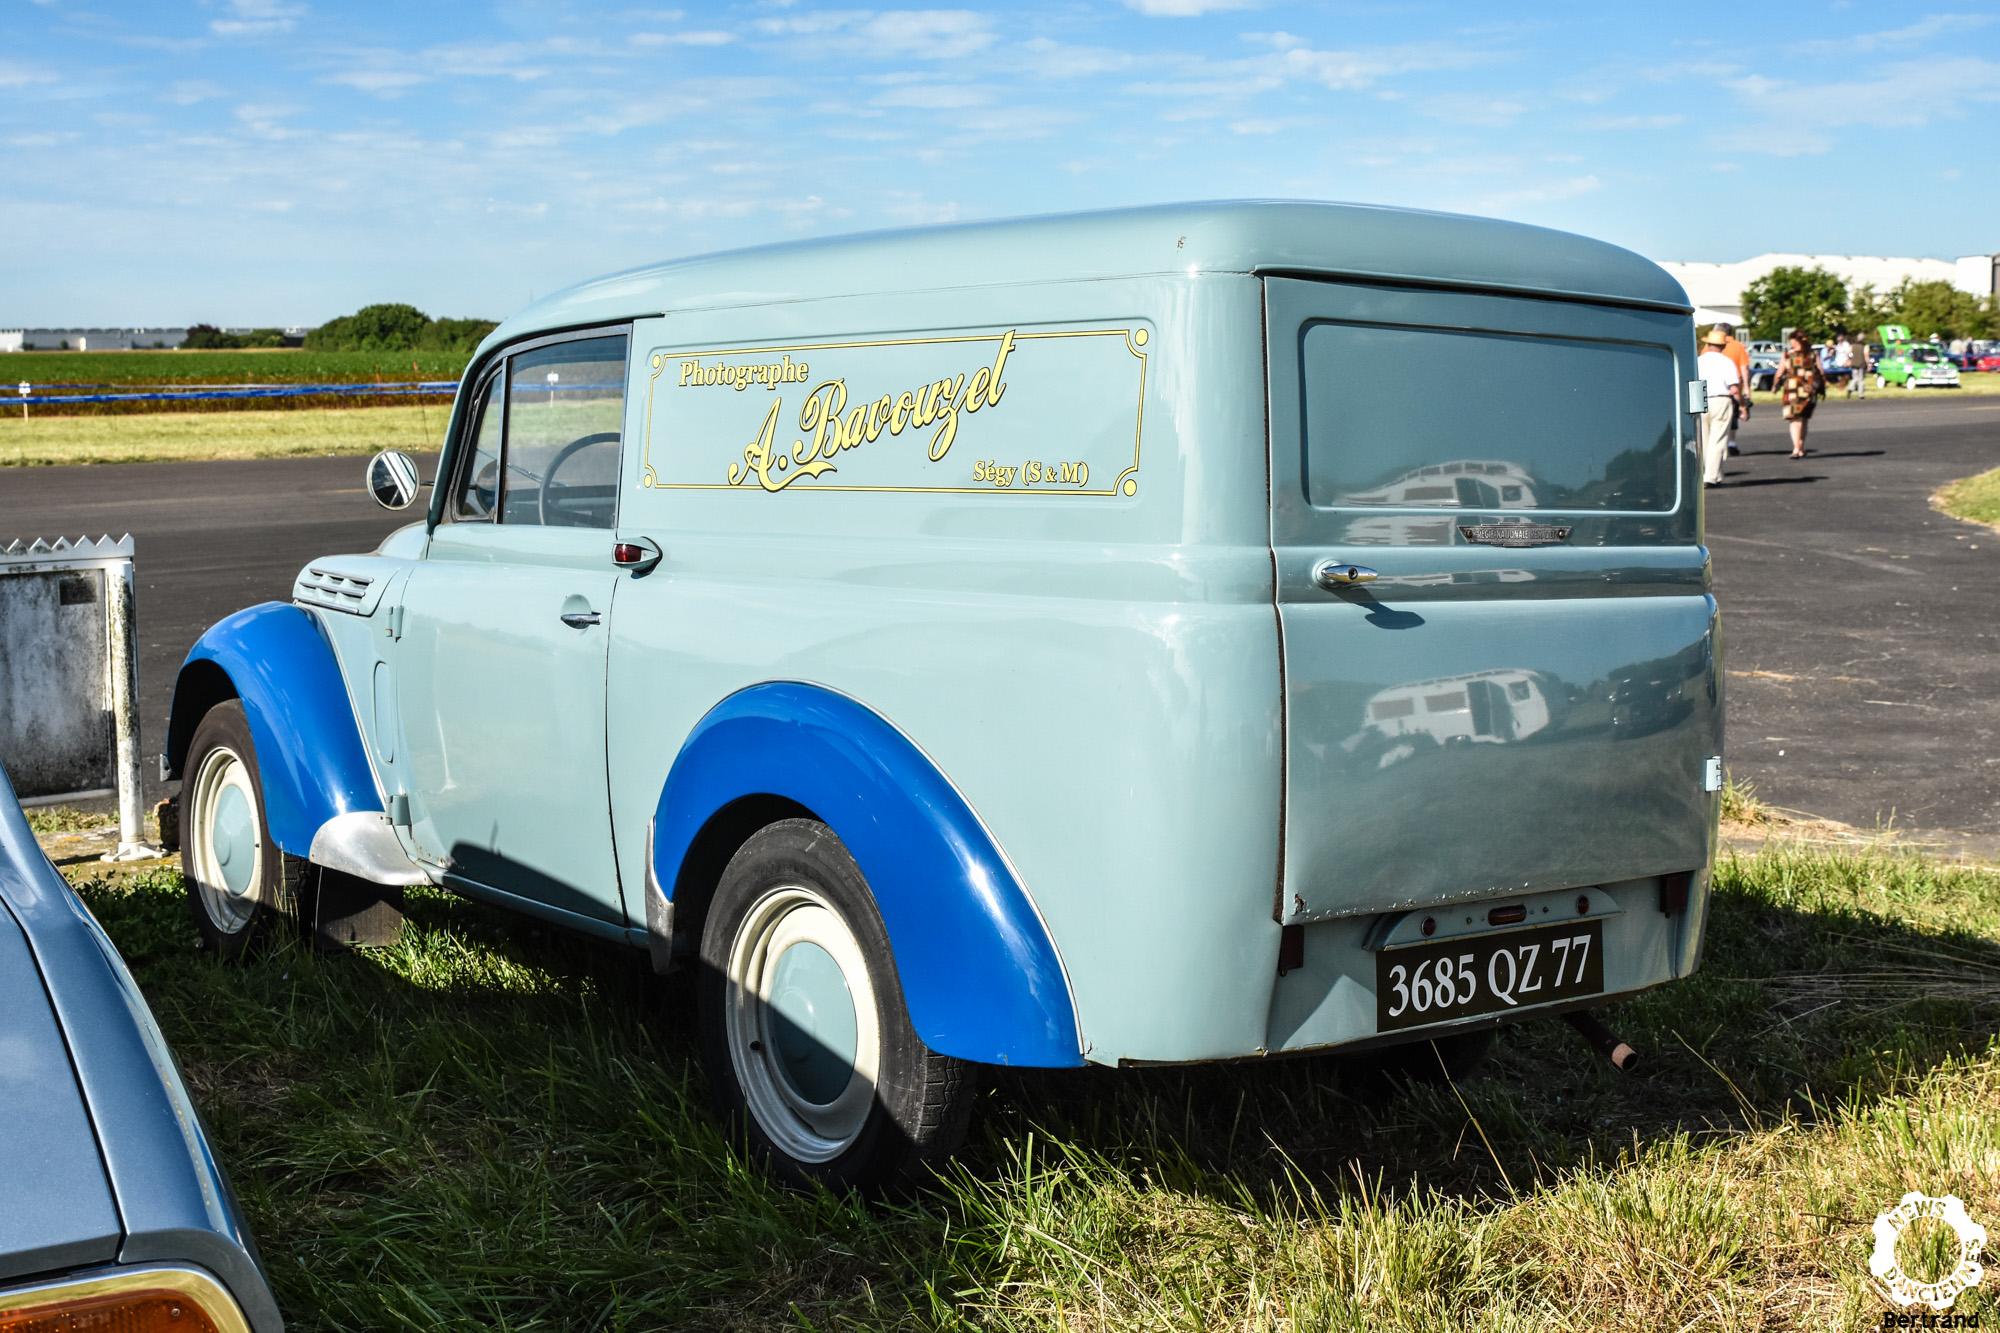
[280, 162]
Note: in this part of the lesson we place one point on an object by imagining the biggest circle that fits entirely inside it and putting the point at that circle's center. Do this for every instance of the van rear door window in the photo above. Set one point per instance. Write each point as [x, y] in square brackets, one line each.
[1458, 419]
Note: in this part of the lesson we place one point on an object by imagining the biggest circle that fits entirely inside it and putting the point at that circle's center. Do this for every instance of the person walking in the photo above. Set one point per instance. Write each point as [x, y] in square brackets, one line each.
[1843, 361]
[1801, 385]
[1740, 354]
[1725, 392]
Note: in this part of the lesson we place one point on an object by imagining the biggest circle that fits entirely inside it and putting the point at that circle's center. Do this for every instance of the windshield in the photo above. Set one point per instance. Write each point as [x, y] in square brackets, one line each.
[1449, 418]
[1926, 355]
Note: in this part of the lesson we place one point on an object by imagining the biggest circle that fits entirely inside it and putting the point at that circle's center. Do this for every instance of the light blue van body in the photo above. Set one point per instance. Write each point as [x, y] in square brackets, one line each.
[998, 548]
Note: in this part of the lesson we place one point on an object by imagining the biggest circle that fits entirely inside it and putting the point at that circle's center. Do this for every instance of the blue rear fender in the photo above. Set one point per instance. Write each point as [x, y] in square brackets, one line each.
[310, 758]
[980, 975]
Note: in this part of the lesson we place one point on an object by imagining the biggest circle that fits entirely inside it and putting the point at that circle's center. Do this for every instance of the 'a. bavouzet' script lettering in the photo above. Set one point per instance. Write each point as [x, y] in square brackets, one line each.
[828, 425]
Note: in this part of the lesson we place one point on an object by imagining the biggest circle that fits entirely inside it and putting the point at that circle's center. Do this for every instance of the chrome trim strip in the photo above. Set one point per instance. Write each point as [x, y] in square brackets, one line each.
[659, 913]
[192, 1284]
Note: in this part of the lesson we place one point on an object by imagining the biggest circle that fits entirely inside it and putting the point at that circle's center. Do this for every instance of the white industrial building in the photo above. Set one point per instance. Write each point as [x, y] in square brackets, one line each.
[1717, 289]
[107, 340]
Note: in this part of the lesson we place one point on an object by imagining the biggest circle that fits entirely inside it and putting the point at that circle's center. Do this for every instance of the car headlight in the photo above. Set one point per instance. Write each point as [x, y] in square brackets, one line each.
[147, 1300]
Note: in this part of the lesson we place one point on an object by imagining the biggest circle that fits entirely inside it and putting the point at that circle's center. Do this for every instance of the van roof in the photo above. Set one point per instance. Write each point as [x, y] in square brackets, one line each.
[1251, 236]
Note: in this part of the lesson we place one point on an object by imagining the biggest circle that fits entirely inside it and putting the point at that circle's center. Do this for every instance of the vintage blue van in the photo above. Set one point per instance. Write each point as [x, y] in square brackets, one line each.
[1027, 643]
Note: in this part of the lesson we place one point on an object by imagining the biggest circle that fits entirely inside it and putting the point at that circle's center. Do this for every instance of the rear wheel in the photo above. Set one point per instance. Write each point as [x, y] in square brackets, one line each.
[807, 1041]
[234, 872]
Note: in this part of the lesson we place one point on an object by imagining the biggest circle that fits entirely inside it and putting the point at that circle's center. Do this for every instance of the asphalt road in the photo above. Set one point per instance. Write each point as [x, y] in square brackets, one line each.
[208, 538]
[1862, 628]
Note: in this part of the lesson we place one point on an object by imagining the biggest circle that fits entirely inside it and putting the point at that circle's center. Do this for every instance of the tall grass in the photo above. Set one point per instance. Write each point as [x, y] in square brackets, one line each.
[490, 1126]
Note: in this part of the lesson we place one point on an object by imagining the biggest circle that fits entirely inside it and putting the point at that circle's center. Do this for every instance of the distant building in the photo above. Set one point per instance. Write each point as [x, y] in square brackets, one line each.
[1717, 289]
[111, 340]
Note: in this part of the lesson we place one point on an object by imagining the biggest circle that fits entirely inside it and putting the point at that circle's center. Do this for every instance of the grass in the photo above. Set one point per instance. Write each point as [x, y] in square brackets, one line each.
[490, 1126]
[1975, 499]
[182, 437]
[120, 372]
[1975, 383]
[1740, 803]
[65, 819]
[262, 366]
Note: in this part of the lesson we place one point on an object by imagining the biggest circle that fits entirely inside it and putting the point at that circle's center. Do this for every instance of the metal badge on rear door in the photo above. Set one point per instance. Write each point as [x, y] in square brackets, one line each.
[1514, 534]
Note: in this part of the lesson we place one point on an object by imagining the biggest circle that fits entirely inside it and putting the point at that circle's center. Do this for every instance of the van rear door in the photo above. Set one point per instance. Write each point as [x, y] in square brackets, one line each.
[1525, 696]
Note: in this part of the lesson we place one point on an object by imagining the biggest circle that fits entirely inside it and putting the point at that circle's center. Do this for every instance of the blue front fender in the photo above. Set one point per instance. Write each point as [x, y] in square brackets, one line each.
[979, 973]
[310, 758]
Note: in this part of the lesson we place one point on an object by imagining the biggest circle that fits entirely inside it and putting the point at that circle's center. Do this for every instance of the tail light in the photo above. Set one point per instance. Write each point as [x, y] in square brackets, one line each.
[159, 1300]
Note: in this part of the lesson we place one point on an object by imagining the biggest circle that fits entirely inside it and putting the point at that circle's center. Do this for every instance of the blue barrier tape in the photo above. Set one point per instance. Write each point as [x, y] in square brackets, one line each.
[259, 391]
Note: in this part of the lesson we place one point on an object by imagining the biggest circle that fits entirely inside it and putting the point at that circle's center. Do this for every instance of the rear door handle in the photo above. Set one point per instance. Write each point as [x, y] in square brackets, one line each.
[582, 619]
[1333, 574]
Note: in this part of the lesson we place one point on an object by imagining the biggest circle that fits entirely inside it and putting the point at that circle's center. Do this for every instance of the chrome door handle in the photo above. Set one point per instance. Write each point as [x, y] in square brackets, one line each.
[582, 619]
[1332, 574]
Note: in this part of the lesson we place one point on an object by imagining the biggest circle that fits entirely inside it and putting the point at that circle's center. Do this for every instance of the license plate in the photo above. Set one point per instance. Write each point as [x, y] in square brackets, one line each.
[1452, 979]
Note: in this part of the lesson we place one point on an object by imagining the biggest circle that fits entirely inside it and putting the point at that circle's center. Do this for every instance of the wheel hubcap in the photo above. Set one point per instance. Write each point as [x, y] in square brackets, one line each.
[228, 852]
[802, 1024]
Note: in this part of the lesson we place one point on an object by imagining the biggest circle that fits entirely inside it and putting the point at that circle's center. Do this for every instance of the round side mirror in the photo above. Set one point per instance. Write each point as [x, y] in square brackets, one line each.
[392, 479]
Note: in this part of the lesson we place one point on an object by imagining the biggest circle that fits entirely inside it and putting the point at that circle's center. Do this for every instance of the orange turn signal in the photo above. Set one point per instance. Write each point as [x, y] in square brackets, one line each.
[159, 1300]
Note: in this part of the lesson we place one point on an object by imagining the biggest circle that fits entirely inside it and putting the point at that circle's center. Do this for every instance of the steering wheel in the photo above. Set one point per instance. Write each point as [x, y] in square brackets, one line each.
[563, 455]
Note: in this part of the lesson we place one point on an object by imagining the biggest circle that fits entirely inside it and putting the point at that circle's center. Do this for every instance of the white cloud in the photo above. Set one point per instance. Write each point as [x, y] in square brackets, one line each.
[1660, 122]
[1926, 28]
[1549, 192]
[16, 75]
[933, 34]
[936, 96]
[186, 92]
[255, 18]
[1904, 95]
[702, 38]
[1186, 9]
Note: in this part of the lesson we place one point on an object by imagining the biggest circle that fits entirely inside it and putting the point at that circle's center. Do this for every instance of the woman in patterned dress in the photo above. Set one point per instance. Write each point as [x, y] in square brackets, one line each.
[1801, 382]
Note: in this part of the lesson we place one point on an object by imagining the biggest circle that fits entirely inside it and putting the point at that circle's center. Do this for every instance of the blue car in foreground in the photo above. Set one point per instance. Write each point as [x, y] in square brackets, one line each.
[114, 1212]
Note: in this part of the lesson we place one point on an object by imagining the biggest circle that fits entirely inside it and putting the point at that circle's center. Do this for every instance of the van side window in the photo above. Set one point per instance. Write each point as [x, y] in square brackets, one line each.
[565, 419]
[1459, 419]
[478, 490]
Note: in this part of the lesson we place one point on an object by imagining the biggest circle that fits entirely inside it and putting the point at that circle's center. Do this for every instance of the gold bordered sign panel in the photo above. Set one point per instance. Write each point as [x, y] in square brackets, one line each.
[1014, 411]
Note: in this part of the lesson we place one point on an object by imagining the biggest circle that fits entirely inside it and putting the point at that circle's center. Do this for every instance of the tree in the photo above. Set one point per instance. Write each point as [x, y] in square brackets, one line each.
[1938, 308]
[1811, 300]
[203, 337]
[397, 328]
[1868, 310]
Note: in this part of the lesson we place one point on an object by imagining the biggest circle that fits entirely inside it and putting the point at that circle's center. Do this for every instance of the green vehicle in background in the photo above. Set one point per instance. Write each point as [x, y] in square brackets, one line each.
[1912, 365]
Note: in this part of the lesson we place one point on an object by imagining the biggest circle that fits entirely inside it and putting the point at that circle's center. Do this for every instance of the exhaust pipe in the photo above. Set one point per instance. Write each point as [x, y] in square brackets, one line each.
[1608, 1044]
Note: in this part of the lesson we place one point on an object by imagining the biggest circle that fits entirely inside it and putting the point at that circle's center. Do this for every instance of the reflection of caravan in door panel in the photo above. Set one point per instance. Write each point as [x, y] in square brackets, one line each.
[1490, 706]
[1470, 484]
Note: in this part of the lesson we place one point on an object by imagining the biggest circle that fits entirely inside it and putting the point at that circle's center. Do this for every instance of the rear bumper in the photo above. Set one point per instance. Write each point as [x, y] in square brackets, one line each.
[1331, 999]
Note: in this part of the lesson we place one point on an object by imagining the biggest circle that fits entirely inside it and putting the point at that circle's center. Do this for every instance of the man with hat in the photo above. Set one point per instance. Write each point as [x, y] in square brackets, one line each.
[1740, 354]
[1725, 388]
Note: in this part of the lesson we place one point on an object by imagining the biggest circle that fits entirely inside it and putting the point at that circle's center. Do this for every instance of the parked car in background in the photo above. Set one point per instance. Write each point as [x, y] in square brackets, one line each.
[1919, 366]
[1983, 356]
[1763, 366]
[114, 1213]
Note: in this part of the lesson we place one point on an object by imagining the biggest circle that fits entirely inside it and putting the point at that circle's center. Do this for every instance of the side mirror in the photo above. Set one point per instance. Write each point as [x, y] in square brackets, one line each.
[392, 479]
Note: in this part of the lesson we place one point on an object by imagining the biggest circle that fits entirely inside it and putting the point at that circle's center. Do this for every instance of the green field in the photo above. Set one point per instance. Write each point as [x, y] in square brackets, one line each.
[1974, 498]
[62, 373]
[275, 365]
[496, 1126]
[187, 436]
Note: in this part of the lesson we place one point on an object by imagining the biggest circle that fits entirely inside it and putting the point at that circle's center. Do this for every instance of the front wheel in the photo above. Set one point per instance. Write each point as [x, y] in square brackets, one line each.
[233, 871]
[805, 1035]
